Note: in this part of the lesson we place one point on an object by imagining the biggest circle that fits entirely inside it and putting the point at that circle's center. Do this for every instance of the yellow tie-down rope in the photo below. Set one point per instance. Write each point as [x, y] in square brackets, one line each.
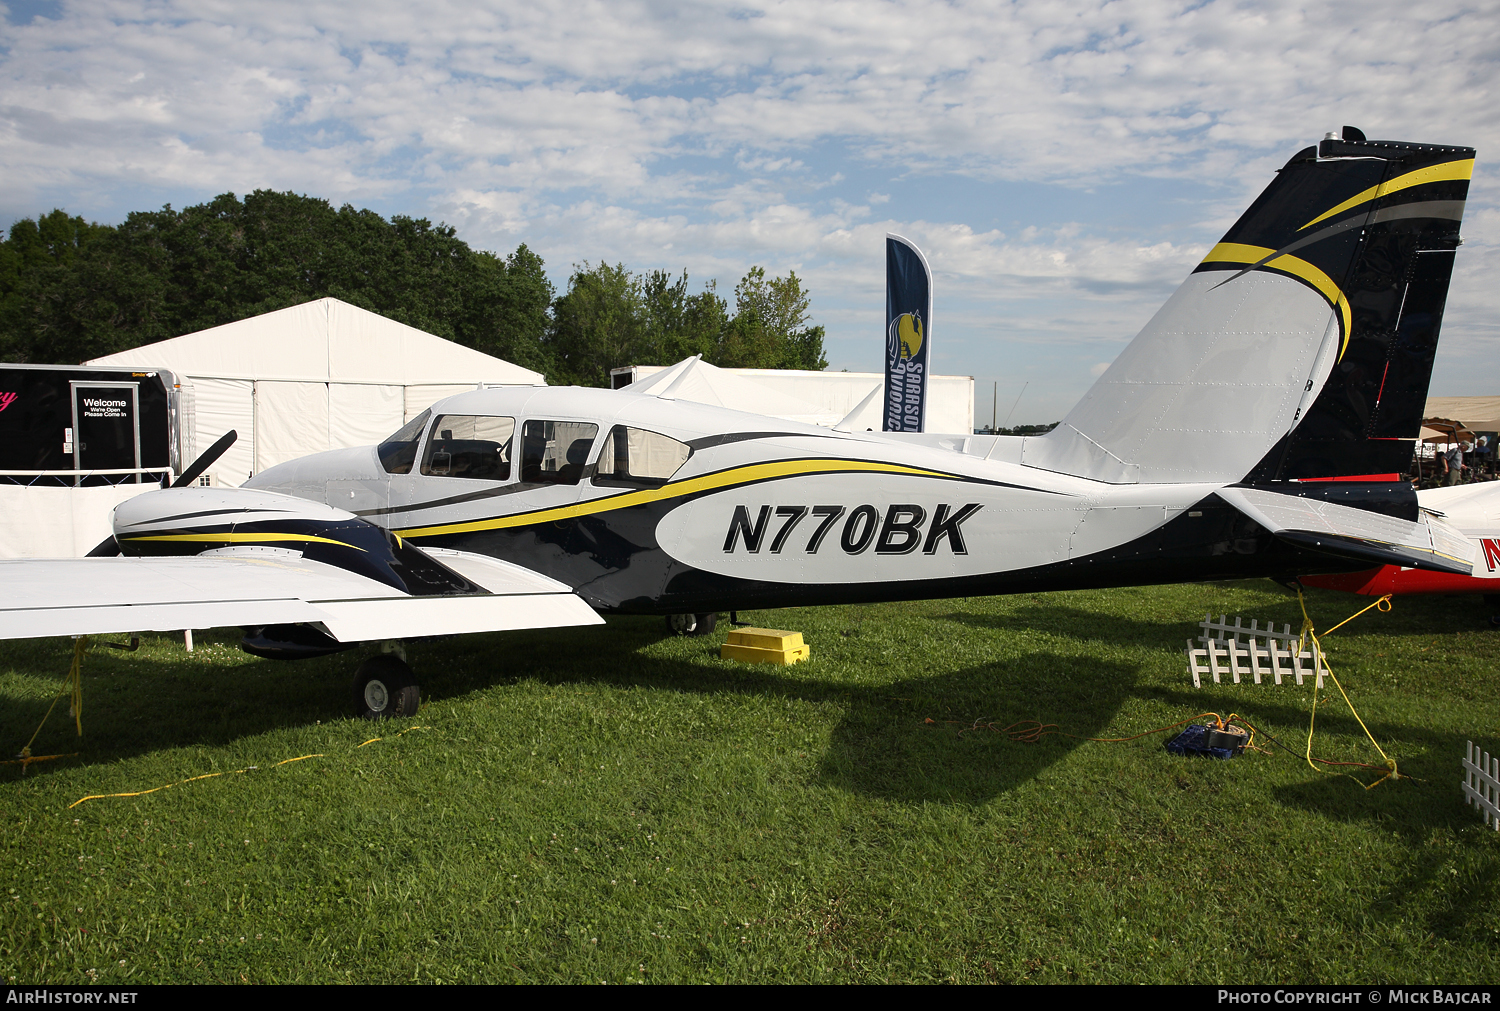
[230, 772]
[1321, 661]
[74, 689]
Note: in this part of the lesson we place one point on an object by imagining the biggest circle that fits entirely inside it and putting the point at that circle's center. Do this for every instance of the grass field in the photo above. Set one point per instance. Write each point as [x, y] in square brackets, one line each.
[609, 805]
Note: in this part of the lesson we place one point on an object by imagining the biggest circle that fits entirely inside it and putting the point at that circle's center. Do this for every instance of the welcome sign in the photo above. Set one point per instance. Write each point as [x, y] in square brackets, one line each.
[908, 335]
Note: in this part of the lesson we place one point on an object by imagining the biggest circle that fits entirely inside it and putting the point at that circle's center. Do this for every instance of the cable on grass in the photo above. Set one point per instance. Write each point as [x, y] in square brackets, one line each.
[1308, 633]
[231, 772]
[1320, 761]
[74, 688]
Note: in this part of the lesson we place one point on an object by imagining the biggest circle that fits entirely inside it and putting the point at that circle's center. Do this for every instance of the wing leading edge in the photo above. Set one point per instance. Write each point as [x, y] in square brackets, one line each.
[261, 586]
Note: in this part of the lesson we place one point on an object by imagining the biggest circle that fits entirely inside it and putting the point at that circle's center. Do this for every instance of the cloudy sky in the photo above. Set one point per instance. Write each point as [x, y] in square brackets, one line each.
[1063, 164]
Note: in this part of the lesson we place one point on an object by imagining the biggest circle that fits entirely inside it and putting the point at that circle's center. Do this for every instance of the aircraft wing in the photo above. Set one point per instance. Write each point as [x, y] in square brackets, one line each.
[247, 587]
[1357, 534]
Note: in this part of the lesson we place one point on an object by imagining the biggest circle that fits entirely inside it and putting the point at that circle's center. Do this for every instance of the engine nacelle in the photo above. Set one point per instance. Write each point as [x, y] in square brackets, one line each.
[192, 521]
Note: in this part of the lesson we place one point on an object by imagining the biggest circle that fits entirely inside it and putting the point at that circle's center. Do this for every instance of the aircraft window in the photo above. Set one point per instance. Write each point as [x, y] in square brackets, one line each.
[464, 445]
[636, 458]
[555, 452]
[399, 452]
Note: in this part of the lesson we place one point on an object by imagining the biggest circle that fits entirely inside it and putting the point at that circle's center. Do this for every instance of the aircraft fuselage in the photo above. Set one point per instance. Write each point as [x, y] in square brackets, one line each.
[760, 513]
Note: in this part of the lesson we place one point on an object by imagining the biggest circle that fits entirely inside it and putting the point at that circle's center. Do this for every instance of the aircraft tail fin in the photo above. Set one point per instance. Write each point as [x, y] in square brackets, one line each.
[1302, 346]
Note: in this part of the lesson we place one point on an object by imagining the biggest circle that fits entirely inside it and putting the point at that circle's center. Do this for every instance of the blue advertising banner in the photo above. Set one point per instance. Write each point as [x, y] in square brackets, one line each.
[908, 335]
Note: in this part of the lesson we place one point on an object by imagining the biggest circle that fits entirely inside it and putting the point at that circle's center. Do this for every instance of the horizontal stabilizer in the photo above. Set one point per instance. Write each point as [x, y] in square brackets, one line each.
[1357, 534]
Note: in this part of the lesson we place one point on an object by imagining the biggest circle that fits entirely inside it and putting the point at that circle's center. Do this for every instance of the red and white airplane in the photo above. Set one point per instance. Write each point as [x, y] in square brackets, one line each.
[1474, 510]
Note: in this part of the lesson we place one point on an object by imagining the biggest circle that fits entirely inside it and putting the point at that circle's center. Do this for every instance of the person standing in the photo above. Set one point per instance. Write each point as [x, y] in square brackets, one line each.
[1453, 460]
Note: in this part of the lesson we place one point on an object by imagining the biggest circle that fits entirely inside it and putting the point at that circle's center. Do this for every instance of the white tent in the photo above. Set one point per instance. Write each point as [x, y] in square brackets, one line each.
[695, 380]
[819, 398]
[316, 376]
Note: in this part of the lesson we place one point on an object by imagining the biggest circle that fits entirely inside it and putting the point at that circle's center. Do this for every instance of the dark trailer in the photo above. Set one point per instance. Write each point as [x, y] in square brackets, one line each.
[80, 426]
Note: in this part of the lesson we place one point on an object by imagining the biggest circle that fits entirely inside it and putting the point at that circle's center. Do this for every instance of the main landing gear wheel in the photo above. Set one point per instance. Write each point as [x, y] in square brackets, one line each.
[692, 624]
[385, 688]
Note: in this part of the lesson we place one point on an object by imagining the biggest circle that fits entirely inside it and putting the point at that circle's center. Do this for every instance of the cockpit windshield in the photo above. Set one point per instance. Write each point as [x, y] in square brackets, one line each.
[399, 452]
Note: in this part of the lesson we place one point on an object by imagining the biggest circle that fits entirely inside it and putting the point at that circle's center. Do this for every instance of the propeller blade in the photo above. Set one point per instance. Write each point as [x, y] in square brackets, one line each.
[206, 460]
[107, 548]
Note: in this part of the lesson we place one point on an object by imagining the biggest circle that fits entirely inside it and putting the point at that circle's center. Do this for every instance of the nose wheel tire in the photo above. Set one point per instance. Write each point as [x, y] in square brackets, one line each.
[691, 624]
[385, 688]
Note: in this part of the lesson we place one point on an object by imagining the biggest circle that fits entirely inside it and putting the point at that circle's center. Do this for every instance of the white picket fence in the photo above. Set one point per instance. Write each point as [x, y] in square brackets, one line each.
[1482, 784]
[1239, 650]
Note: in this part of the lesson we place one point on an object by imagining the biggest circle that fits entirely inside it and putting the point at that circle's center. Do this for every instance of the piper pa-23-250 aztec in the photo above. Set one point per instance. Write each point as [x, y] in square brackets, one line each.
[1260, 425]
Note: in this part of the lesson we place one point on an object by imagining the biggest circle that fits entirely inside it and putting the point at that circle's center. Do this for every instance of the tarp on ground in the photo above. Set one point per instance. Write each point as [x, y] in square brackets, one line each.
[316, 376]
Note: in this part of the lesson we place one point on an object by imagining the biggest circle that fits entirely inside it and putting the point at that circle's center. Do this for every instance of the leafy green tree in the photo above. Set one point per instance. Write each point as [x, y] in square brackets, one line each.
[71, 290]
[511, 323]
[770, 327]
[596, 325]
[678, 325]
[35, 254]
[169, 272]
[610, 318]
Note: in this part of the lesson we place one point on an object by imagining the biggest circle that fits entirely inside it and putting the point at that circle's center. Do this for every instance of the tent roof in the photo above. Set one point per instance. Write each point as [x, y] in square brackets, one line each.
[1478, 414]
[326, 340]
[695, 380]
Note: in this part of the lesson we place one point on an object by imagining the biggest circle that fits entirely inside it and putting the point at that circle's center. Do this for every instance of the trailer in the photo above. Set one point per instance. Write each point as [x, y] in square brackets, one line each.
[75, 441]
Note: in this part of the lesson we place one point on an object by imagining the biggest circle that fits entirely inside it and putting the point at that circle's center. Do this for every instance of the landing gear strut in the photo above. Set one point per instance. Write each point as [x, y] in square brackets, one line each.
[692, 624]
[385, 688]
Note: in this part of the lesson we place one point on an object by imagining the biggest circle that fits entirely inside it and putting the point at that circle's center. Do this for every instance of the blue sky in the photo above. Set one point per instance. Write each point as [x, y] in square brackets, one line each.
[1063, 164]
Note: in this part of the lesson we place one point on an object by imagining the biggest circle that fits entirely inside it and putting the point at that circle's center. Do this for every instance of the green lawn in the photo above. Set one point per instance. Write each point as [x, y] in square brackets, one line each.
[609, 805]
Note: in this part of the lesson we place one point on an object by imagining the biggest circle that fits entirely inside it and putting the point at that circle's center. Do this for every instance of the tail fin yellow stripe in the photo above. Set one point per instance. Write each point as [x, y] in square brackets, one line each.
[1444, 172]
[1236, 252]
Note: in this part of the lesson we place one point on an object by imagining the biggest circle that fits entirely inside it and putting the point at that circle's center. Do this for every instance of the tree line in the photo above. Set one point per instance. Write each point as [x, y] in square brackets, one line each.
[71, 290]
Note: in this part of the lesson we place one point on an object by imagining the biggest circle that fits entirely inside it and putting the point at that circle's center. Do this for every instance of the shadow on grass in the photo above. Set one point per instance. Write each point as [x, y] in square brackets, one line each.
[1078, 623]
[883, 745]
[1411, 811]
[134, 704]
[1426, 614]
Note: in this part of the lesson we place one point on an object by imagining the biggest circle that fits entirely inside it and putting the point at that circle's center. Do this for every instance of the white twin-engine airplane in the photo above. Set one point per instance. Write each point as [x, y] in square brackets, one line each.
[1260, 425]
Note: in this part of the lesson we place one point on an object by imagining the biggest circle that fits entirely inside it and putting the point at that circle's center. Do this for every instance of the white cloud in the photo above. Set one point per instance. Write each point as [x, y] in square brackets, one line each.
[710, 136]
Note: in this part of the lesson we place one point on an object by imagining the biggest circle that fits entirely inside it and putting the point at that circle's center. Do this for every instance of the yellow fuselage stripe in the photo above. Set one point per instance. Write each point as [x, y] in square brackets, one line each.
[1235, 252]
[690, 486]
[1444, 172]
[242, 539]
